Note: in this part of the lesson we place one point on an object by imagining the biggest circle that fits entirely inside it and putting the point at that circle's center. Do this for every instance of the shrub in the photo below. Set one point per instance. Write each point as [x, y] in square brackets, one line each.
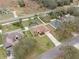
[21, 3]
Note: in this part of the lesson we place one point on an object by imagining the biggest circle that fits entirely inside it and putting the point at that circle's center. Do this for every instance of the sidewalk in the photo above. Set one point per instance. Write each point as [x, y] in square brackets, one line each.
[53, 39]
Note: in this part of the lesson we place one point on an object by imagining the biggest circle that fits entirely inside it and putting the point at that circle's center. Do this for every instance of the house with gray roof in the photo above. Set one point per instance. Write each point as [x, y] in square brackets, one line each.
[11, 39]
[55, 23]
[68, 17]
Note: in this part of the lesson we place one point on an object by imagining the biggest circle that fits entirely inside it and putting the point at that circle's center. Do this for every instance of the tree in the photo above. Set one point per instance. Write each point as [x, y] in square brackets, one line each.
[69, 52]
[24, 48]
[48, 3]
[63, 2]
[21, 3]
[0, 26]
[21, 24]
[74, 11]
[72, 26]
[5, 11]
[62, 34]
[53, 3]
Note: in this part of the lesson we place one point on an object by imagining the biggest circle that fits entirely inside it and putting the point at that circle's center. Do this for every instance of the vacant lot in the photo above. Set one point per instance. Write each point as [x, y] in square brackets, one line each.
[30, 6]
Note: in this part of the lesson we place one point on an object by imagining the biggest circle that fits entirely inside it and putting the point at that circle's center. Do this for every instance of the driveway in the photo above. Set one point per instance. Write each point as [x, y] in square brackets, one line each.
[53, 39]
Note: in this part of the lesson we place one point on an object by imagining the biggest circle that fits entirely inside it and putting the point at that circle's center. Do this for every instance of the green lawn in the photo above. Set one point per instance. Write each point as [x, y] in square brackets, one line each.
[30, 21]
[0, 39]
[2, 54]
[12, 27]
[7, 28]
[46, 18]
[43, 44]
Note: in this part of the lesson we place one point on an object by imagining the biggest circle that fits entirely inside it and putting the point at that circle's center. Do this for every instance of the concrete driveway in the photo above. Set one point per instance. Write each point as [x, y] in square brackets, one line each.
[53, 39]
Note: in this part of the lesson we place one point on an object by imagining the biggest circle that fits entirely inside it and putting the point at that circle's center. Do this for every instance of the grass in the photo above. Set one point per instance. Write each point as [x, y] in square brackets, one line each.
[1, 39]
[43, 44]
[46, 18]
[30, 21]
[5, 16]
[60, 34]
[27, 23]
[7, 28]
[2, 54]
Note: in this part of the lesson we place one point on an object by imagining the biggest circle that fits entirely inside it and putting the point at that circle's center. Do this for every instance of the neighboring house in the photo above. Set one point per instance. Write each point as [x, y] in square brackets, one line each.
[68, 17]
[55, 23]
[32, 24]
[41, 29]
[10, 39]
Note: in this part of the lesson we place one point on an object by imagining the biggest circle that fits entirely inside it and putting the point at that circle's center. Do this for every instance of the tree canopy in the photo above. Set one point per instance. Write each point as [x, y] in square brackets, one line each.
[68, 52]
[53, 3]
[24, 47]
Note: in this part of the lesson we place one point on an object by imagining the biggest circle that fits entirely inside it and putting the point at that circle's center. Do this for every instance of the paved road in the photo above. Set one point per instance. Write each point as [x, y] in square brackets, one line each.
[26, 16]
[55, 51]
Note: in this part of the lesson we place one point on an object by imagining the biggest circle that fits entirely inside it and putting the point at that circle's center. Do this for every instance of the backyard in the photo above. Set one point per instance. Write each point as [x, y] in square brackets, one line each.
[60, 34]
[43, 44]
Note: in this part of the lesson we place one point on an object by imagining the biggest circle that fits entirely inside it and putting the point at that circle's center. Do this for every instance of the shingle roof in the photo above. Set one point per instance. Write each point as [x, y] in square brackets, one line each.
[56, 24]
[41, 29]
[10, 37]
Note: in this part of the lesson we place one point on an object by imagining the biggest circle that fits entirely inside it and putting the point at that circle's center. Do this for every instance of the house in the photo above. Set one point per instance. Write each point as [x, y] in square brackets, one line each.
[41, 29]
[55, 23]
[10, 39]
[68, 17]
